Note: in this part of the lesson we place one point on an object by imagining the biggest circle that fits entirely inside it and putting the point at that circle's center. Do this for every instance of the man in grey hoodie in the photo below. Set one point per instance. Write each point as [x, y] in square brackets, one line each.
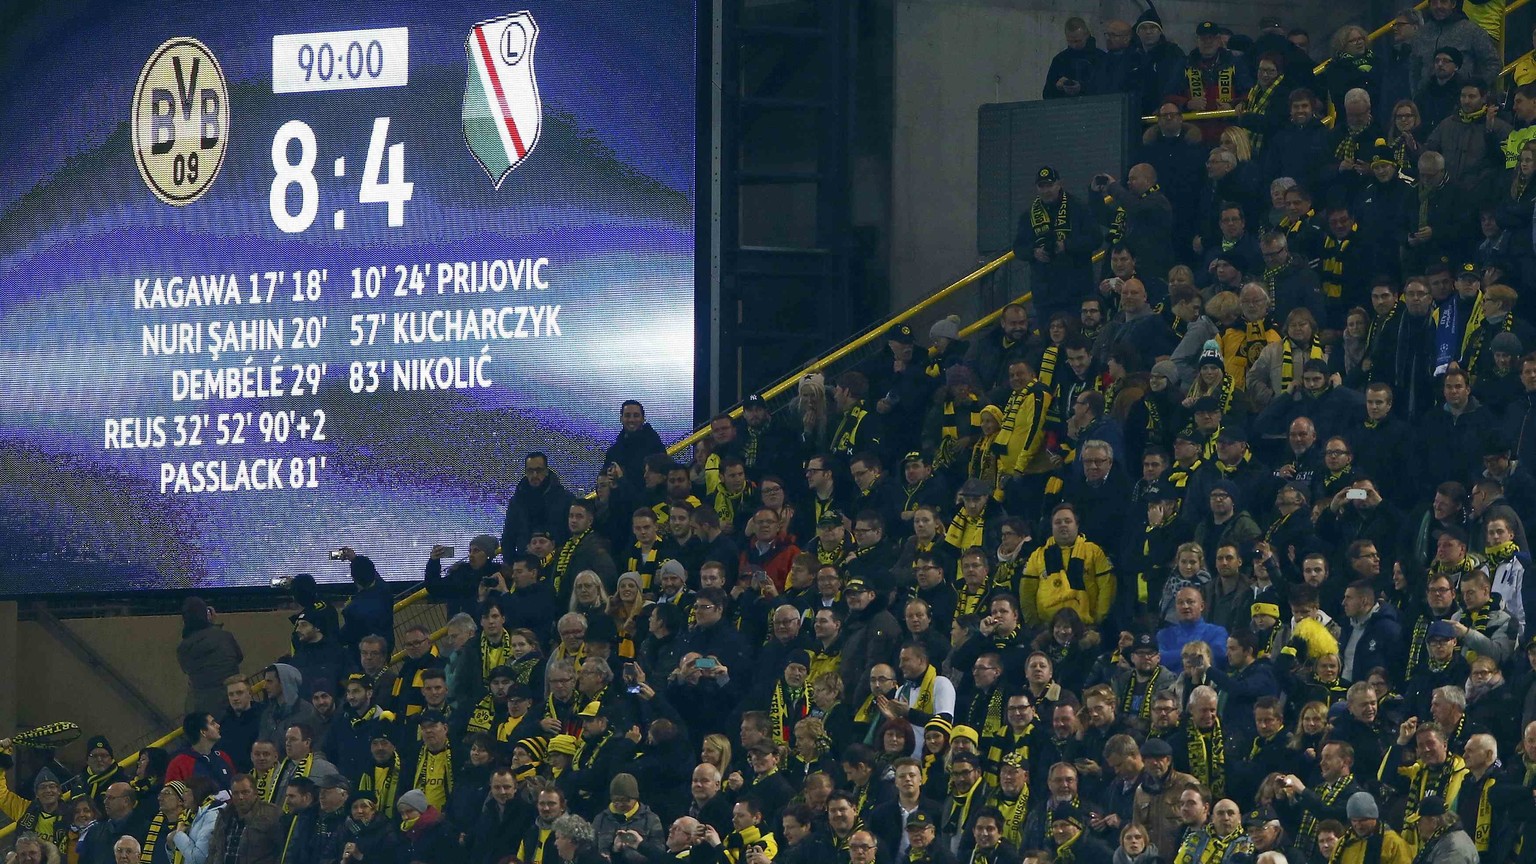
[284, 707]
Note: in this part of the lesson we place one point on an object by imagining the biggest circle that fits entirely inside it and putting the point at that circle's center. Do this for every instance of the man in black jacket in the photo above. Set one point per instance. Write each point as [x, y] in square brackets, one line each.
[539, 503]
[636, 440]
[503, 821]
[459, 587]
[1058, 236]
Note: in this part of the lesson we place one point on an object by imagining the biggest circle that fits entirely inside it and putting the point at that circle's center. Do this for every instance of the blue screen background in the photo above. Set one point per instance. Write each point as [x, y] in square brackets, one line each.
[607, 196]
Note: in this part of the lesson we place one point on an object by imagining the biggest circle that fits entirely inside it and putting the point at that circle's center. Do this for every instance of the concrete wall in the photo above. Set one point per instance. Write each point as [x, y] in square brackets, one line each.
[53, 685]
[951, 56]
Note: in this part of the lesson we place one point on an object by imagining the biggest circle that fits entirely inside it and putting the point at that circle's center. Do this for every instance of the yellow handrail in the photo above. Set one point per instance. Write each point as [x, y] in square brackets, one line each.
[833, 356]
[1515, 62]
[132, 759]
[856, 343]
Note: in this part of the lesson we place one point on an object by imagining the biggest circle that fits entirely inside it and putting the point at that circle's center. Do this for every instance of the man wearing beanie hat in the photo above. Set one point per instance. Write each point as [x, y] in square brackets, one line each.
[1369, 841]
[1227, 525]
[603, 749]
[459, 588]
[953, 424]
[1068, 841]
[425, 836]
[1438, 88]
[41, 815]
[101, 770]
[788, 700]
[625, 823]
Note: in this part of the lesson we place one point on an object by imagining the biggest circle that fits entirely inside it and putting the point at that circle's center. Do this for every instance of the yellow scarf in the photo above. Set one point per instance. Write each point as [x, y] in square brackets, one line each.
[1287, 369]
[1224, 84]
[1047, 226]
[1208, 757]
[384, 782]
[925, 691]
[563, 563]
[966, 531]
[787, 708]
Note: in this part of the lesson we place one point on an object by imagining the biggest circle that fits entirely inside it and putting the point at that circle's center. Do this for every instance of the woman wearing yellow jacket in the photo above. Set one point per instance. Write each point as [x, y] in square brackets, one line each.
[1068, 572]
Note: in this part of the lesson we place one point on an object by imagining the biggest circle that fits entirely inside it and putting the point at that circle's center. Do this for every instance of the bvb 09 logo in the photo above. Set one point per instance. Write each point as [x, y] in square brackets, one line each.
[180, 120]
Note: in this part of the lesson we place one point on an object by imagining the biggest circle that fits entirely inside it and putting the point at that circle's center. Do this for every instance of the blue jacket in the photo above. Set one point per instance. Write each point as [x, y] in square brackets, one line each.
[1243, 689]
[1378, 644]
[371, 611]
[1172, 638]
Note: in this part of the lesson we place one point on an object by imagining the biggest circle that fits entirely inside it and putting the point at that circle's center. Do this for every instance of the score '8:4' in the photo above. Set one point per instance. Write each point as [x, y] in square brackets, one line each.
[395, 192]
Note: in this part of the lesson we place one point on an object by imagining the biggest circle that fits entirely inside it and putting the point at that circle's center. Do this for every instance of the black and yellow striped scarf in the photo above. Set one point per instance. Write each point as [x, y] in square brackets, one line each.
[645, 562]
[1470, 117]
[1223, 392]
[1475, 345]
[968, 601]
[1334, 251]
[563, 562]
[726, 506]
[1326, 793]
[951, 428]
[1133, 686]
[966, 531]
[152, 839]
[493, 655]
[1430, 781]
[1225, 86]
[1287, 367]
[384, 782]
[1258, 103]
[983, 465]
[788, 707]
[1208, 757]
[1024, 414]
[1046, 226]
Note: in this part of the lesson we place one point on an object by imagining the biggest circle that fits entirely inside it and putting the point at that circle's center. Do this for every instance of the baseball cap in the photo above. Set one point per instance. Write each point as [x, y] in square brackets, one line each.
[1047, 174]
[1232, 435]
[1144, 642]
[1441, 630]
[900, 333]
[1208, 28]
[756, 400]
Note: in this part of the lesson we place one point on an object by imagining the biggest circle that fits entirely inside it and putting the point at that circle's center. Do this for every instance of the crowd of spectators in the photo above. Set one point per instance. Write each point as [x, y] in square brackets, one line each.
[1212, 553]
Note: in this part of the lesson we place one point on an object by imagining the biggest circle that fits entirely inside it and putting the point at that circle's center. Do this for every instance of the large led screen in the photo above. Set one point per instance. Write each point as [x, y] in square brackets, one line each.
[277, 278]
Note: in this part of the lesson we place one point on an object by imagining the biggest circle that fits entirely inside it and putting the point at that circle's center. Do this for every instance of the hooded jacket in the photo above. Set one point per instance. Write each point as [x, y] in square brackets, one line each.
[281, 713]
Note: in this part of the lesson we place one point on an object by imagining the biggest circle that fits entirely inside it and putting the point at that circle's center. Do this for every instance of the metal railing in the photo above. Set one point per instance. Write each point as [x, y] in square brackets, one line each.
[412, 608]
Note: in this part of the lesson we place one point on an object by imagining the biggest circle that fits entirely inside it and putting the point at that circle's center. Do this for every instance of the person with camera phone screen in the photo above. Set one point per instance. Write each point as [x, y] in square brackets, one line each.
[459, 588]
